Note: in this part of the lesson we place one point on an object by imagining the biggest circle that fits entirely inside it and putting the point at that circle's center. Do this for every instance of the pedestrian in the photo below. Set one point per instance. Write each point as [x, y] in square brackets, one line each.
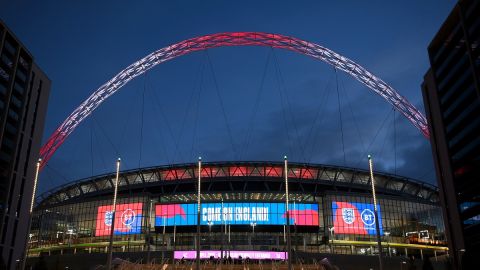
[411, 263]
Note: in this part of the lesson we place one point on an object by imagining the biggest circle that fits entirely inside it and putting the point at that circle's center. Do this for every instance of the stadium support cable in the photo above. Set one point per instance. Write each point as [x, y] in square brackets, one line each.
[222, 107]
[248, 134]
[341, 119]
[284, 97]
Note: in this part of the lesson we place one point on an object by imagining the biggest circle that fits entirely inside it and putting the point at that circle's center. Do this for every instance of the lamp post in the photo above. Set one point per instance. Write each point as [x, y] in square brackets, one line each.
[253, 224]
[210, 226]
[198, 214]
[223, 231]
[148, 238]
[35, 180]
[387, 234]
[112, 225]
[289, 244]
[377, 225]
[331, 230]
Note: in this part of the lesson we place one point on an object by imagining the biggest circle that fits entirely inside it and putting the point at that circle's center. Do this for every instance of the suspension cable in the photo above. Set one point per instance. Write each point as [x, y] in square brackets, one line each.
[373, 140]
[395, 140]
[235, 154]
[169, 128]
[162, 138]
[187, 111]
[380, 151]
[248, 135]
[283, 107]
[355, 121]
[91, 145]
[117, 152]
[318, 115]
[200, 78]
[341, 120]
[289, 107]
[321, 117]
[142, 119]
[100, 154]
[65, 179]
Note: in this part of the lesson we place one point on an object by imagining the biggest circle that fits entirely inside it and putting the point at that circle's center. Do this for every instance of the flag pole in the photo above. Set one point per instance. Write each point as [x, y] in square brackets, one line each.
[112, 225]
[289, 244]
[377, 221]
[198, 213]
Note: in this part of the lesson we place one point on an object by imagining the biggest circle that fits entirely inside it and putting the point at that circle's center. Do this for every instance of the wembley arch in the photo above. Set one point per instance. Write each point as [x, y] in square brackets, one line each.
[231, 39]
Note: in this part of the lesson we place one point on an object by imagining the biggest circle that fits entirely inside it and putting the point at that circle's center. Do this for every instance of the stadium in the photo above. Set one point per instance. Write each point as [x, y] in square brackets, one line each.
[242, 210]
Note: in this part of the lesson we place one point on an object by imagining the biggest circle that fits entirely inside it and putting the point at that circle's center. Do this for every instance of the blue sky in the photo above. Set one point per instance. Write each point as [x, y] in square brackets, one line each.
[80, 45]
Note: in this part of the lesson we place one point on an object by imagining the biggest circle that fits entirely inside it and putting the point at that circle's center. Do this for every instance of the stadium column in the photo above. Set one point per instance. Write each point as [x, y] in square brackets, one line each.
[289, 244]
[377, 225]
[198, 214]
[112, 226]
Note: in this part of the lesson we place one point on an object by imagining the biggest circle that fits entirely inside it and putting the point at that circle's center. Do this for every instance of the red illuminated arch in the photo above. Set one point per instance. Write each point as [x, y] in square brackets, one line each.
[231, 39]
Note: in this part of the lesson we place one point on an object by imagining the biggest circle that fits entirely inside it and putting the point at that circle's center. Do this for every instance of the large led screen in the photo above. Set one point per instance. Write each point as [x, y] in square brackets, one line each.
[128, 219]
[355, 218]
[234, 254]
[236, 214]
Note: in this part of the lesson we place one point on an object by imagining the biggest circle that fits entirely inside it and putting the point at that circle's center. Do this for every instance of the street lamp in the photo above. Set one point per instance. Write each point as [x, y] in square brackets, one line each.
[70, 232]
[210, 226]
[289, 244]
[253, 224]
[112, 225]
[331, 230]
[377, 225]
[198, 214]
[387, 234]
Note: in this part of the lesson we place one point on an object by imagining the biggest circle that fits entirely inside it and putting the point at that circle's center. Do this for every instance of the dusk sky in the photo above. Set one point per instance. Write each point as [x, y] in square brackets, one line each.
[230, 103]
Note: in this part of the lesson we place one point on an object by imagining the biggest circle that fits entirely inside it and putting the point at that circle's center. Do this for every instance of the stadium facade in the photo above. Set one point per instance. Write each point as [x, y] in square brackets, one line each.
[242, 209]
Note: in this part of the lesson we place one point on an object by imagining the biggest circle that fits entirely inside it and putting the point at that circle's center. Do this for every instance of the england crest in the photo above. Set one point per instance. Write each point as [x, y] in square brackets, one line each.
[348, 215]
[128, 217]
[108, 218]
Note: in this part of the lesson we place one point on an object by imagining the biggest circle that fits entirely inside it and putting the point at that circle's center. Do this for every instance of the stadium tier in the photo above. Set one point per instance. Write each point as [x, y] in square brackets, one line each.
[243, 209]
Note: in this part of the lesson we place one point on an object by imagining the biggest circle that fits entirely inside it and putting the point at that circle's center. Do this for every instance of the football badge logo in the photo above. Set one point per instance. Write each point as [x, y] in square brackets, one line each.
[128, 217]
[108, 218]
[348, 215]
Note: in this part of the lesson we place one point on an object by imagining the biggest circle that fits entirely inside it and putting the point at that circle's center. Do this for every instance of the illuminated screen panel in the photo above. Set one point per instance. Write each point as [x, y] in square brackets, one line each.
[128, 219]
[355, 218]
[234, 254]
[236, 214]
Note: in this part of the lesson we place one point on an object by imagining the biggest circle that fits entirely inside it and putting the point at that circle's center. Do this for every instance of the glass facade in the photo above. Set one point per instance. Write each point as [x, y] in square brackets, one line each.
[406, 227]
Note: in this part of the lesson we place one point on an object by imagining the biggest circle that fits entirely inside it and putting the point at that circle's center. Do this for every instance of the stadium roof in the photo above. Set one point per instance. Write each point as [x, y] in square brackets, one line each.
[247, 177]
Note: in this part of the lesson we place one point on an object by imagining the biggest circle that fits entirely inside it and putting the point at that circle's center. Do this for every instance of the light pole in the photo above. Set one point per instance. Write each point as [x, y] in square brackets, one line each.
[198, 213]
[223, 231]
[112, 225]
[377, 221]
[253, 224]
[35, 180]
[210, 226]
[331, 230]
[387, 234]
[289, 244]
[148, 238]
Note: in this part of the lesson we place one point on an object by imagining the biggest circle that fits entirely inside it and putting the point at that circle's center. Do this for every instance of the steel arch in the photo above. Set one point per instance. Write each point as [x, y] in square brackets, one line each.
[231, 39]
